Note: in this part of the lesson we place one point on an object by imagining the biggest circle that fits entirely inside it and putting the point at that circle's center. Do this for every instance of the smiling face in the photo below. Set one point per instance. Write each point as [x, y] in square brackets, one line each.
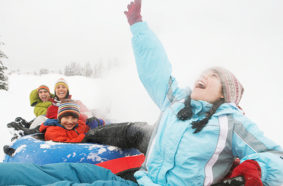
[61, 91]
[69, 122]
[208, 87]
[43, 95]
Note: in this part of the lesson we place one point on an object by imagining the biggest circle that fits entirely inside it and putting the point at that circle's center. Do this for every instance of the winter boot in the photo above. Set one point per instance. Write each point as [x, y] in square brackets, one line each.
[123, 135]
[23, 122]
[23, 130]
[8, 150]
[15, 125]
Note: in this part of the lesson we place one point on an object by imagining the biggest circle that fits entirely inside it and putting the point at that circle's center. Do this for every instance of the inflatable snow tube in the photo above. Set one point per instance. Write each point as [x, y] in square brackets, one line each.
[32, 149]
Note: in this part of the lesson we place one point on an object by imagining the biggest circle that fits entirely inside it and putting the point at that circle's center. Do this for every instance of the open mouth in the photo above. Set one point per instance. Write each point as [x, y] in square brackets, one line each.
[61, 93]
[69, 125]
[200, 84]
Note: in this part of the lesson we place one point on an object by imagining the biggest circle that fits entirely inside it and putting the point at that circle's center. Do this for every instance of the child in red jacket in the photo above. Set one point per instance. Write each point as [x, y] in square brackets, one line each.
[67, 127]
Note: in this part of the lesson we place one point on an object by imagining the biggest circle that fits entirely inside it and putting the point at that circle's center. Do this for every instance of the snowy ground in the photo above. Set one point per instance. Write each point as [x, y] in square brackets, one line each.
[119, 96]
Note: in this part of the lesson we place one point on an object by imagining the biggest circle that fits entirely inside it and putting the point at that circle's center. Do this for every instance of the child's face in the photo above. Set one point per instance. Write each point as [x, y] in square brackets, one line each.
[61, 91]
[69, 122]
[43, 95]
[208, 87]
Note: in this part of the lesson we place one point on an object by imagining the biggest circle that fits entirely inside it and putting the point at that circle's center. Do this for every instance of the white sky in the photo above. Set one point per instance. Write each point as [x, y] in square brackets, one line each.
[245, 36]
[51, 33]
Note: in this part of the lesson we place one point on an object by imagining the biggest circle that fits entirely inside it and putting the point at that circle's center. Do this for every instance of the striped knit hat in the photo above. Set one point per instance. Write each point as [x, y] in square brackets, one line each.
[61, 81]
[67, 109]
[232, 88]
[43, 87]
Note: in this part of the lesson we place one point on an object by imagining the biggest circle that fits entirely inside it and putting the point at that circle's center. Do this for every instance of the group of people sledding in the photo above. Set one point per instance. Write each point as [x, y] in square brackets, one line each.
[57, 116]
[195, 141]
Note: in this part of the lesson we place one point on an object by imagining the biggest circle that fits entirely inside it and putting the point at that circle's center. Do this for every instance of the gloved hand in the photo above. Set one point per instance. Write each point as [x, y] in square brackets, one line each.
[94, 122]
[251, 172]
[134, 12]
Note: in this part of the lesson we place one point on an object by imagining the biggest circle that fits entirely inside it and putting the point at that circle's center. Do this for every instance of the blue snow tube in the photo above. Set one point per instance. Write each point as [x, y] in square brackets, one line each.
[32, 149]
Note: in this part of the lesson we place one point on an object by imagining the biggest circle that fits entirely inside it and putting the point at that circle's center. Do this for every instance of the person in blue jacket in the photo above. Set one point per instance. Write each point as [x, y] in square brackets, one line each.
[195, 141]
[202, 130]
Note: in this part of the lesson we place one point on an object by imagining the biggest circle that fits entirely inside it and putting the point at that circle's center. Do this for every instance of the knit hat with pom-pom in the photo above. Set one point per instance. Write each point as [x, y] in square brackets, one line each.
[61, 81]
[231, 86]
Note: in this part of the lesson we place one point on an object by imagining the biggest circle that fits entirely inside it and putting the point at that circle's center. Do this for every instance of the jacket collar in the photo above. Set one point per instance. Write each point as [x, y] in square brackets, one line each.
[55, 122]
[200, 107]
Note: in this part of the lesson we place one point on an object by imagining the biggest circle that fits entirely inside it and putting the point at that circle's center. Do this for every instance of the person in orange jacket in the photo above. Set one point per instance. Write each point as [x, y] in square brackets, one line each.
[67, 127]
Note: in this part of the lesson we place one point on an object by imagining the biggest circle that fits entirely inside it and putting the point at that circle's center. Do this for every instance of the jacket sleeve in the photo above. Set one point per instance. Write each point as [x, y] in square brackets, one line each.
[42, 128]
[33, 98]
[144, 179]
[58, 134]
[41, 108]
[83, 128]
[153, 66]
[52, 112]
[248, 142]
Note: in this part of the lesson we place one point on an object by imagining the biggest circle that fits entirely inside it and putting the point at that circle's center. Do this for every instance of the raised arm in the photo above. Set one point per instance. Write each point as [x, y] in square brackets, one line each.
[33, 97]
[153, 66]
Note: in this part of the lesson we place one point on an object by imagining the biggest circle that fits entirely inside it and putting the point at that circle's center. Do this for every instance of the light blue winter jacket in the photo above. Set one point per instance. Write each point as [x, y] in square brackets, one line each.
[177, 156]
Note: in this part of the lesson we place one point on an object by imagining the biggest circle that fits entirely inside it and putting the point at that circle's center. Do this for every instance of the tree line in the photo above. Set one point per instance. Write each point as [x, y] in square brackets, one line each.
[92, 70]
[3, 75]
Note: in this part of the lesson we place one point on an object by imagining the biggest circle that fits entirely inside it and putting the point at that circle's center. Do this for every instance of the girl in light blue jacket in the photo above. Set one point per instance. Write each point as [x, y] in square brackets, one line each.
[202, 130]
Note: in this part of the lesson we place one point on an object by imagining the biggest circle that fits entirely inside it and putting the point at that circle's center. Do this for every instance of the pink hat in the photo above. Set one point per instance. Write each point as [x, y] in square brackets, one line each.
[232, 88]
